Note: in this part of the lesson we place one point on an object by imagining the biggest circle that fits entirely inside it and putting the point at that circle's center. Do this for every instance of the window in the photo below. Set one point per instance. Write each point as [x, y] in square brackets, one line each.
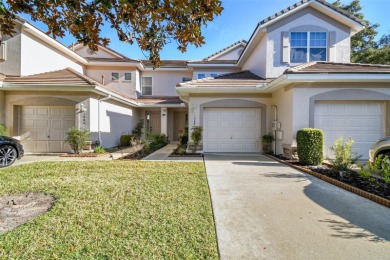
[308, 46]
[213, 75]
[114, 76]
[147, 86]
[128, 76]
[201, 75]
[186, 79]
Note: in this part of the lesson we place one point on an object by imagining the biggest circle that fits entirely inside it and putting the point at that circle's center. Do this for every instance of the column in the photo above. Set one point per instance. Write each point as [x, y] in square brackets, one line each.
[164, 121]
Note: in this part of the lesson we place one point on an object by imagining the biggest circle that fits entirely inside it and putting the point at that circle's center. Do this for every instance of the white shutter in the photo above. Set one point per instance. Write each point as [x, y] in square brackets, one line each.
[331, 46]
[285, 47]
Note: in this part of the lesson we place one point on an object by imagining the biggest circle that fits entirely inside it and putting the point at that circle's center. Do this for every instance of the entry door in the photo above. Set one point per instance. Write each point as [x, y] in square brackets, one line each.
[231, 129]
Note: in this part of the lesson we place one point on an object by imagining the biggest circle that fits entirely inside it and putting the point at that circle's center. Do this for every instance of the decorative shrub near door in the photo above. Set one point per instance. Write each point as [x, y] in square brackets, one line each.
[310, 146]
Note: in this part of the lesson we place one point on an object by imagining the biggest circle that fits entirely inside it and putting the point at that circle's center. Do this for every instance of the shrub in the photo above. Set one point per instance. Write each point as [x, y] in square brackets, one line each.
[184, 140]
[158, 139]
[266, 141]
[125, 140]
[310, 145]
[196, 136]
[77, 139]
[343, 154]
[99, 150]
[3, 130]
[137, 132]
[380, 166]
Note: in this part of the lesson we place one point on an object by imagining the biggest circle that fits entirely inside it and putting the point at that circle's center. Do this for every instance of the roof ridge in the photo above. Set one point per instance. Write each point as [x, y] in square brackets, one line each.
[83, 77]
[242, 41]
[302, 2]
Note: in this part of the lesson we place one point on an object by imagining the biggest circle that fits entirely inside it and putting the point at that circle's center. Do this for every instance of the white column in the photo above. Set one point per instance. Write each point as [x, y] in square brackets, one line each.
[164, 121]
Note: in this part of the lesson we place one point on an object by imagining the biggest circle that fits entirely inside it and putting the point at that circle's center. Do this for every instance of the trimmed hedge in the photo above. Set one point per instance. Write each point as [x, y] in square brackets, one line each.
[125, 140]
[310, 146]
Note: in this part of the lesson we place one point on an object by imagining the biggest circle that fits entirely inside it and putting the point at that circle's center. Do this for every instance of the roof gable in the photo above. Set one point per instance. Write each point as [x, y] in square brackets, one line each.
[229, 49]
[103, 54]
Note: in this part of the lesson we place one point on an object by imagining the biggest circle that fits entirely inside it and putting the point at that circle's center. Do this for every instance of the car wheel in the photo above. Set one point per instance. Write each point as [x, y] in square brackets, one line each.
[8, 155]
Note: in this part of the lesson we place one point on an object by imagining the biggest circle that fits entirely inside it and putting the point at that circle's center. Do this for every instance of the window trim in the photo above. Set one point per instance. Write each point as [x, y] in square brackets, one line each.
[142, 86]
[215, 75]
[112, 76]
[127, 80]
[308, 46]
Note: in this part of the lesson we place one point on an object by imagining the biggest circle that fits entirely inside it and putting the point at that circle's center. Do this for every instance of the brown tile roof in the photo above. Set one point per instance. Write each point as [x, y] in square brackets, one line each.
[212, 62]
[166, 63]
[334, 68]
[228, 47]
[65, 77]
[294, 6]
[236, 79]
[96, 59]
[159, 100]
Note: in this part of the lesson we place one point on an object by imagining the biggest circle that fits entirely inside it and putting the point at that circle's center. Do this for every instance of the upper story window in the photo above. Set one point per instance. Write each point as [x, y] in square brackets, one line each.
[147, 83]
[201, 75]
[308, 46]
[115, 76]
[128, 76]
[213, 75]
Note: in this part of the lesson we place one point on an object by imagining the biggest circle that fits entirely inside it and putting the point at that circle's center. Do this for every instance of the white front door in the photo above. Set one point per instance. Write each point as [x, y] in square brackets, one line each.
[231, 129]
[361, 121]
[44, 128]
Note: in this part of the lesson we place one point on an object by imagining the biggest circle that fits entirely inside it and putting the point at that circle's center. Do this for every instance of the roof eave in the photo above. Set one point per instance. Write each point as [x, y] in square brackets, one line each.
[197, 65]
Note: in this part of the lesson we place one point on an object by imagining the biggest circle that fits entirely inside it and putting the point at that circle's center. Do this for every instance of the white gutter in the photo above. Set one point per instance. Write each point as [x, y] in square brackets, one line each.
[195, 65]
[235, 89]
[143, 105]
[99, 132]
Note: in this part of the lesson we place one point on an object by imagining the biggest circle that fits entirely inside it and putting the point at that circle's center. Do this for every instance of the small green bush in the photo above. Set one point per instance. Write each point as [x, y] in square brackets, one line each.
[137, 132]
[99, 150]
[184, 140]
[380, 166]
[77, 139]
[3, 130]
[125, 140]
[343, 154]
[196, 136]
[310, 146]
[160, 139]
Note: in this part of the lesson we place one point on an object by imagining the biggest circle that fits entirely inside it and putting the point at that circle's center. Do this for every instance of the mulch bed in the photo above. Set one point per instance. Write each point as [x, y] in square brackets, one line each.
[139, 154]
[90, 154]
[352, 182]
[176, 153]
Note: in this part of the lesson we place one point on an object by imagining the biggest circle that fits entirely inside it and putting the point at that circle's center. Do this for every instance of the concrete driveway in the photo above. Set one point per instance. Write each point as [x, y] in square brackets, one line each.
[266, 210]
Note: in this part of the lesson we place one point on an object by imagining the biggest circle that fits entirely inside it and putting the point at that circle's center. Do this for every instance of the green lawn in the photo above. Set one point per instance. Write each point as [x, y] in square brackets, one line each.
[107, 210]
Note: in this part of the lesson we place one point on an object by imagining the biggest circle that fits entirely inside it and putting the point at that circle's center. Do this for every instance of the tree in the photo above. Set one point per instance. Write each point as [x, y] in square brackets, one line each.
[150, 23]
[363, 43]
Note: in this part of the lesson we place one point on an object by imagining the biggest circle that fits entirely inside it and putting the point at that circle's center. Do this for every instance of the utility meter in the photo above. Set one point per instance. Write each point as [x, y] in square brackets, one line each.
[276, 125]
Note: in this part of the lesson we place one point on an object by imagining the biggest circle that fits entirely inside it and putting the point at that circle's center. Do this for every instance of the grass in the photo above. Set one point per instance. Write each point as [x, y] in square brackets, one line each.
[113, 210]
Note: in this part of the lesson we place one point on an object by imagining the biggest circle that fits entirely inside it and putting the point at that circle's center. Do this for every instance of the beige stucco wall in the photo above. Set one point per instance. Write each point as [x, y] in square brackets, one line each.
[115, 119]
[164, 82]
[11, 66]
[256, 62]
[37, 57]
[305, 20]
[101, 53]
[232, 54]
[2, 107]
[283, 99]
[123, 86]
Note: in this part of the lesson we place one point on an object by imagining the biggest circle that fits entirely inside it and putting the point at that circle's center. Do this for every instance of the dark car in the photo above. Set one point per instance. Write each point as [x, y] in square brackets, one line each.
[10, 150]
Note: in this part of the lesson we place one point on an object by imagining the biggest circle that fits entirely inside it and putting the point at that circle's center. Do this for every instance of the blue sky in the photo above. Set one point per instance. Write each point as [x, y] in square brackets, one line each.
[237, 22]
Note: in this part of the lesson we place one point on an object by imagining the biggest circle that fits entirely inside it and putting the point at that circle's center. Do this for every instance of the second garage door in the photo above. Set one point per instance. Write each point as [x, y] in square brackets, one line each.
[231, 129]
[43, 128]
[361, 121]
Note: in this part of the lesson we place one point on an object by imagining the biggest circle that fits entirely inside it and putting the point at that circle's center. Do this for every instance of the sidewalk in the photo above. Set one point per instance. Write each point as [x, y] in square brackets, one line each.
[163, 155]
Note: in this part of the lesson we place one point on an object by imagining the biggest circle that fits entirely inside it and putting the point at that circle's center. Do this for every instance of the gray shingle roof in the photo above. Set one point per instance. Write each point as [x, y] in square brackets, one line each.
[159, 100]
[166, 63]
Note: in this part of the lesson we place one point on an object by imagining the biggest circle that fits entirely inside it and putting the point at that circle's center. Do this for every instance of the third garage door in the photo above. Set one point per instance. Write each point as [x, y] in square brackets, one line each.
[361, 121]
[231, 129]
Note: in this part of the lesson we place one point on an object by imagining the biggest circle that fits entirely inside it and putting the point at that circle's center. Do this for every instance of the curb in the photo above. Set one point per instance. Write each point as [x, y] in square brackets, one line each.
[357, 191]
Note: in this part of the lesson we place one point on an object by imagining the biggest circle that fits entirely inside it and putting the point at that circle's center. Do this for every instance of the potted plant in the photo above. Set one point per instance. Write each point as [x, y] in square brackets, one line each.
[266, 141]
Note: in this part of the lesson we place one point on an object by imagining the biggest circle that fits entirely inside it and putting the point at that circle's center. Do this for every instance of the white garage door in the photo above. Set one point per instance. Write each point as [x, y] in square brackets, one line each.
[361, 121]
[231, 129]
[44, 128]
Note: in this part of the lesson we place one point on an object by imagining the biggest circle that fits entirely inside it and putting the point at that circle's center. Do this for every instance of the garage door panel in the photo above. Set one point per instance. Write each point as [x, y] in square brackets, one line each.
[238, 129]
[44, 129]
[361, 121]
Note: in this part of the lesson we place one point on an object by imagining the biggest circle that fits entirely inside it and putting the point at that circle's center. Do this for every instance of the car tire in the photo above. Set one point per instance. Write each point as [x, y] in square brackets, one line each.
[8, 155]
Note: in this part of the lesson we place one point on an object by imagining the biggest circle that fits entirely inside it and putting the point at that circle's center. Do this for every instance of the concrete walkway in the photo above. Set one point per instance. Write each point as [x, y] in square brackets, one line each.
[266, 210]
[163, 155]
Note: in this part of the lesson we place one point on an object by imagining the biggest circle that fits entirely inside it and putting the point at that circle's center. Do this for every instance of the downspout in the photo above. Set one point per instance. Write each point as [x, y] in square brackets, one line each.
[99, 133]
